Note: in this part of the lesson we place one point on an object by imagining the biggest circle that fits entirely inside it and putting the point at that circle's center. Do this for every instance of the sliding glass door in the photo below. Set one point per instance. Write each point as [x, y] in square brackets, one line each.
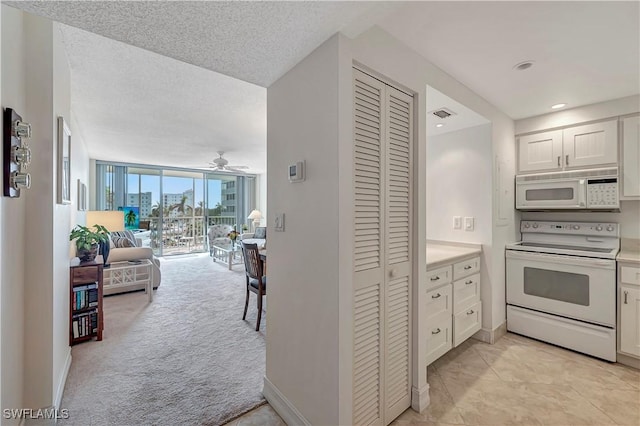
[175, 207]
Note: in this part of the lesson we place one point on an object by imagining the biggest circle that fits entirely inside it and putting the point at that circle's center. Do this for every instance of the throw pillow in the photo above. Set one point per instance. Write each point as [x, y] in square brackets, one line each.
[260, 233]
[121, 242]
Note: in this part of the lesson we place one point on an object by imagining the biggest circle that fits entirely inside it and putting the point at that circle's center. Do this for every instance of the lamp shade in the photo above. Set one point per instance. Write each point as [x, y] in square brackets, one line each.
[111, 219]
[255, 215]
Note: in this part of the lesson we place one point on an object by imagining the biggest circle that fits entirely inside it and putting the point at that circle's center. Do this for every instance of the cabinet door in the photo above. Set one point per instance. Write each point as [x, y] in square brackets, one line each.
[630, 320]
[540, 152]
[631, 158]
[590, 145]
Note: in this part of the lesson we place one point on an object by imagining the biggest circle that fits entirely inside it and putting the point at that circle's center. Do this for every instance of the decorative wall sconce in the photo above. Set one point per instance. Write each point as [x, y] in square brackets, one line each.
[16, 155]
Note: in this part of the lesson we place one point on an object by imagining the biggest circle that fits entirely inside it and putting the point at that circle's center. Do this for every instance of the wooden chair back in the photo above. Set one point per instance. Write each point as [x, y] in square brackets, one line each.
[252, 262]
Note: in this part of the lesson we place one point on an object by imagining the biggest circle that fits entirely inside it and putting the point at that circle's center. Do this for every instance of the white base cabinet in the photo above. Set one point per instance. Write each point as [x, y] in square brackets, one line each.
[629, 303]
[454, 309]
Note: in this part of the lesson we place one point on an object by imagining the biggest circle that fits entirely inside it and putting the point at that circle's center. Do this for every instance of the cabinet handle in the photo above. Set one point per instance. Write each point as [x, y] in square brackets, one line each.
[469, 282]
[436, 331]
[435, 296]
[567, 159]
[467, 267]
[436, 278]
[626, 293]
[558, 161]
[471, 312]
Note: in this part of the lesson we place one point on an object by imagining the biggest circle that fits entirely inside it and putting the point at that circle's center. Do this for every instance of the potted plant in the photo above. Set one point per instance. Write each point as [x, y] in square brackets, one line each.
[88, 240]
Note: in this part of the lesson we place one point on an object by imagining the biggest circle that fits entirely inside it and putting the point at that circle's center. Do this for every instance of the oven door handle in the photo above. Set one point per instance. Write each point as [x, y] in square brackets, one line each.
[559, 258]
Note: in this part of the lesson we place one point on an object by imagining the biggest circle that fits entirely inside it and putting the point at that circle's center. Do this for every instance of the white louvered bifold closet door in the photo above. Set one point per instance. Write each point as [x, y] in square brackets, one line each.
[382, 188]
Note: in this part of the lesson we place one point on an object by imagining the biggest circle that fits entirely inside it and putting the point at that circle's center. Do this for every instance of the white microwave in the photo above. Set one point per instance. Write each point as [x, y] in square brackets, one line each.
[595, 189]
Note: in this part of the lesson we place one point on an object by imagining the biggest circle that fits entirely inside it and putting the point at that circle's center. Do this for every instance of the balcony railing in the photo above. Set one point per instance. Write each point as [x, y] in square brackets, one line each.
[179, 235]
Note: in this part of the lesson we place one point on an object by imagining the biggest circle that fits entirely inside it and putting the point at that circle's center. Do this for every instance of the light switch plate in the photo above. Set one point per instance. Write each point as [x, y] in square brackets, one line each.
[457, 222]
[468, 223]
[279, 223]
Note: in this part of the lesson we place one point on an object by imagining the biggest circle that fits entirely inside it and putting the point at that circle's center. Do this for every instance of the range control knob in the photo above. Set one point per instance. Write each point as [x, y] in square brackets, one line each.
[599, 228]
[535, 225]
[576, 227]
[526, 225]
[610, 228]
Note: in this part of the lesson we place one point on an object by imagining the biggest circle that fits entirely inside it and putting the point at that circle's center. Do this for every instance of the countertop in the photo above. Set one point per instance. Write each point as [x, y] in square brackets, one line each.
[629, 250]
[440, 253]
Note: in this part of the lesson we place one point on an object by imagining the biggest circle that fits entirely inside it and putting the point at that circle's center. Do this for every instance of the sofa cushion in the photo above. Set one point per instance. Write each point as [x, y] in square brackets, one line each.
[260, 242]
[121, 242]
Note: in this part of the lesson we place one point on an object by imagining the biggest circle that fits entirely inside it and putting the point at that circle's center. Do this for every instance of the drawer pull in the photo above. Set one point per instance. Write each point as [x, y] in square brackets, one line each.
[626, 293]
[469, 282]
[471, 312]
[435, 296]
[436, 278]
[436, 331]
[467, 267]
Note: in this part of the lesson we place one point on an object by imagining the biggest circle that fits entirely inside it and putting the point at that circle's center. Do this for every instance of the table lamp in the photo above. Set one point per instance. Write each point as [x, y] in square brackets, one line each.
[113, 220]
[255, 215]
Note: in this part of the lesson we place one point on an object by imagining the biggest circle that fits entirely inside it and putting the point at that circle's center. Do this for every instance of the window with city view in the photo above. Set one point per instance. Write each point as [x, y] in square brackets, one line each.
[175, 207]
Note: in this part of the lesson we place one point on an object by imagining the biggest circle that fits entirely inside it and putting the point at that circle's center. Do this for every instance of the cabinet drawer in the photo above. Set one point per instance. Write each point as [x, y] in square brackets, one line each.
[437, 277]
[438, 340]
[630, 275]
[85, 274]
[438, 305]
[467, 267]
[466, 292]
[466, 323]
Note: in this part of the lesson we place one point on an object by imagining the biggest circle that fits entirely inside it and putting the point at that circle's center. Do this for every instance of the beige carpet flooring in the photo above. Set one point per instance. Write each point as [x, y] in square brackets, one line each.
[186, 358]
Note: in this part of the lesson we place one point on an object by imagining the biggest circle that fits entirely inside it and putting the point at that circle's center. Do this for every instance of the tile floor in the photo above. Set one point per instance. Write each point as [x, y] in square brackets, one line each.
[516, 381]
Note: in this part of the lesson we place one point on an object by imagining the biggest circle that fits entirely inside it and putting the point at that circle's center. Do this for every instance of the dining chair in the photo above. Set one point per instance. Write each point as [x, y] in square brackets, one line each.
[256, 281]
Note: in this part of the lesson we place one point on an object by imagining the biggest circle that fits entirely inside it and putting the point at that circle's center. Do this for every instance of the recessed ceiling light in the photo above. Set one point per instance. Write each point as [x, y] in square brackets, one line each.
[439, 125]
[523, 66]
[558, 106]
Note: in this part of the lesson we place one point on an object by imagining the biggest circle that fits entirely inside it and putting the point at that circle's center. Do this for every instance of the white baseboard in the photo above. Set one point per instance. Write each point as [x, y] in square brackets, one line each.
[282, 405]
[628, 360]
[420, 399]
[63, 380]
[491, 336]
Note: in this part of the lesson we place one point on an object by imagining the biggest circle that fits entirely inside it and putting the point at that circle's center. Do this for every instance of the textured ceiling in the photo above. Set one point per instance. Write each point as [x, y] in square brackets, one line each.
[253, 41]
[584, 52]
[137, 106]
[462, 118]
[133, 104]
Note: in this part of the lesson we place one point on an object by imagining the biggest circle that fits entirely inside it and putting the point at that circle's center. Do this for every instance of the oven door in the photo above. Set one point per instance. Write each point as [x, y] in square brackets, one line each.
[548, 195]
[570, 286]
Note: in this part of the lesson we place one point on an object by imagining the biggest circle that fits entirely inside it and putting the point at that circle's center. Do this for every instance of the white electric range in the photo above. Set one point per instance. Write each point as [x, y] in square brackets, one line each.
[561, 285]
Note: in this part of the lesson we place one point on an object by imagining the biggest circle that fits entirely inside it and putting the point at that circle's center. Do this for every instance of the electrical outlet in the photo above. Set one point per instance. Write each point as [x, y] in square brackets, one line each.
[457, 222]
[468, 223]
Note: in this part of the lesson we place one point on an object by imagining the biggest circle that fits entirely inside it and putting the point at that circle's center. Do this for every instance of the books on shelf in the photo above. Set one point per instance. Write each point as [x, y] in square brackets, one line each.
[85, 296]
[85, 324]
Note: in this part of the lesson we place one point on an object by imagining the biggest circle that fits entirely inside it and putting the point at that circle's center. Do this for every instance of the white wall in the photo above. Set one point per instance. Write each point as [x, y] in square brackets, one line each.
[302, 336]
[459, 168]
[261, 203]
[35, 349]
[12, 213]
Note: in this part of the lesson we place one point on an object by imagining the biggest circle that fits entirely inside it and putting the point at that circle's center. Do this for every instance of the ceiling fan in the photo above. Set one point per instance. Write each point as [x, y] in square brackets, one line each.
[221, 164]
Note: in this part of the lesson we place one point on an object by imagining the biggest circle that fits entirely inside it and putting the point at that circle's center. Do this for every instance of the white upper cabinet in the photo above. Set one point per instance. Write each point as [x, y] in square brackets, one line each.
[589, 145]
[630, 158]
[542, 151]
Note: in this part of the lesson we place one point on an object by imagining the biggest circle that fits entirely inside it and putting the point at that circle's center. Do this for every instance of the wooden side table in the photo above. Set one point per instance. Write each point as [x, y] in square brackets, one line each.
[85, 301]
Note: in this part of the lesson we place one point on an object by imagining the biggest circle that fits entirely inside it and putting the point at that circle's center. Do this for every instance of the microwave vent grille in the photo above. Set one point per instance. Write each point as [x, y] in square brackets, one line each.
[613, 171]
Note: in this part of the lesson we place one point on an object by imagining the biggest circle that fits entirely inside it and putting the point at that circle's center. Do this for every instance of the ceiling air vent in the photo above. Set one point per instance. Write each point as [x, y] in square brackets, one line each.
[443, 113]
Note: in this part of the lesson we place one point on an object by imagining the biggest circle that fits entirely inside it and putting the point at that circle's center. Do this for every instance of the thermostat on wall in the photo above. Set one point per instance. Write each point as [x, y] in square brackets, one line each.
[296, 172]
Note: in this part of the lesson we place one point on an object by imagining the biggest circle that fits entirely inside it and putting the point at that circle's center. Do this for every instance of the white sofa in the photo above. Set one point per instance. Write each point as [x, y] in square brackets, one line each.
[132, 253]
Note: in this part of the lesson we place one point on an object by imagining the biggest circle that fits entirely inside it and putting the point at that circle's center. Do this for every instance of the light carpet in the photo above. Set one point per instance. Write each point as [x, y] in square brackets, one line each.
[186, 358]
